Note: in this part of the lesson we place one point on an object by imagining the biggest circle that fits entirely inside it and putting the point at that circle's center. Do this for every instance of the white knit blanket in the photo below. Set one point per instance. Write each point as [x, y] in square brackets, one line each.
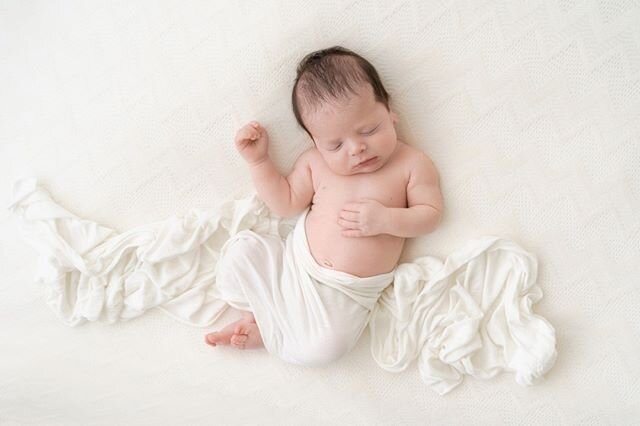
[469, 315]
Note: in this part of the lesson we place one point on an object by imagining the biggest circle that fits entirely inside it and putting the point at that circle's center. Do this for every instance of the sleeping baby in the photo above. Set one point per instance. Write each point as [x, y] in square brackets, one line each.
[308, 286]
[361, 191]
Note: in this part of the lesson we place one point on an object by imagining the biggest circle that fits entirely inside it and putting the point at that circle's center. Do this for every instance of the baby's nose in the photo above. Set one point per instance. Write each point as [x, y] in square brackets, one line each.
[358, 147]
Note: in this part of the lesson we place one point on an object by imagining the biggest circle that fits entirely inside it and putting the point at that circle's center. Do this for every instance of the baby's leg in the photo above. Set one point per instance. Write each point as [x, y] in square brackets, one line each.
[242, 334]
[233, 270]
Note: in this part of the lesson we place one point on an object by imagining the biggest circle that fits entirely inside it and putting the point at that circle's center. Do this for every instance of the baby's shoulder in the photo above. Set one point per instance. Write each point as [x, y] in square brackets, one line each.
[409, 151]
[416, 161]
[310, 158]
[412, 156]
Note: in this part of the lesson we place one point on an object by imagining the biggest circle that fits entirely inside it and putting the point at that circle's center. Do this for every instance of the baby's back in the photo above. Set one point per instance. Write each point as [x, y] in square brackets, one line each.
[360, 256]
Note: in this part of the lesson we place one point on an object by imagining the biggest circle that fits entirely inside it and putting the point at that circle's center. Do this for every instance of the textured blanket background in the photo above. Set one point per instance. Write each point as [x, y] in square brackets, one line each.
[126, 111]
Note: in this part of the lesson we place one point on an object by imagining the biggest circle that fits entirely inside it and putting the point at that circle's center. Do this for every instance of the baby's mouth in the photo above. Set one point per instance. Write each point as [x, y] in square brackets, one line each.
[367, 162]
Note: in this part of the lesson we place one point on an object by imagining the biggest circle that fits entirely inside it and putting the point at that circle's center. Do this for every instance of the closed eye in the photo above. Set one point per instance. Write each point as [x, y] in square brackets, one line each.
[372, 131]
[337, 147]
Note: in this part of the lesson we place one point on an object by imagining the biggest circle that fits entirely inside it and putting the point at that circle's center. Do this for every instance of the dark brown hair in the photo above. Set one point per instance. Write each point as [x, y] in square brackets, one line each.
[331, 74]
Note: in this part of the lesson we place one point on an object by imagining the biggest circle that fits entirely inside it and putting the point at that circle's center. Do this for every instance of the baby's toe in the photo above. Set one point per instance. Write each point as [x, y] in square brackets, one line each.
[239, 341]
[240, 329]
[215, 338]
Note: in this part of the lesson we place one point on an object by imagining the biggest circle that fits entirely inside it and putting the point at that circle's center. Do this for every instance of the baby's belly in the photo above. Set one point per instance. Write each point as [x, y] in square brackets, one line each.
[360, 256]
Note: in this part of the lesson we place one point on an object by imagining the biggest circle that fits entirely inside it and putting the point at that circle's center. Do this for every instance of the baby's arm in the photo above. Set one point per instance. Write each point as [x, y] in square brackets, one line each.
[369, 217]
[284, 196]
[424, 200]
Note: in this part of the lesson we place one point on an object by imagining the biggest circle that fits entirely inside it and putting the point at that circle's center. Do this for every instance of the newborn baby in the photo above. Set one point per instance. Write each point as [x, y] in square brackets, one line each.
[366, 191]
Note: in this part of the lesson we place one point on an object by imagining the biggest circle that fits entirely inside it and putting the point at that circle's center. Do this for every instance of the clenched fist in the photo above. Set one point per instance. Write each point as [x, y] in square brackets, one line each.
[252, 142]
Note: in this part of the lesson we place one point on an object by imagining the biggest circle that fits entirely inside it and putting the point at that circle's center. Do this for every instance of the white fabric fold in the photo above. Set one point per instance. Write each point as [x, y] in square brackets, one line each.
[469, 315]
[92, 273]
[307, 314]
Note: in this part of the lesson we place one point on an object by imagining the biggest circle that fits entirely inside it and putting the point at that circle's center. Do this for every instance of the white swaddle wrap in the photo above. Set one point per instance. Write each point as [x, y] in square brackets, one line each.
[307, 314]
[470, 315]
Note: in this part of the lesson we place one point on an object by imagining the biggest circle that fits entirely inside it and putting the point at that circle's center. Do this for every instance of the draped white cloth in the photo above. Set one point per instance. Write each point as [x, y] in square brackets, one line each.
[469, 315]
[307, 314]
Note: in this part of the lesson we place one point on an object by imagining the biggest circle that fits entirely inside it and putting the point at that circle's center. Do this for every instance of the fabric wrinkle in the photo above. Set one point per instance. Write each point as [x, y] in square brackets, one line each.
[471, 314]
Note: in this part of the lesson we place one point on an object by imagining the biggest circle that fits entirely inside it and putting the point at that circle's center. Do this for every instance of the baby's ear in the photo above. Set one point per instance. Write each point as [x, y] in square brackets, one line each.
[394, 117]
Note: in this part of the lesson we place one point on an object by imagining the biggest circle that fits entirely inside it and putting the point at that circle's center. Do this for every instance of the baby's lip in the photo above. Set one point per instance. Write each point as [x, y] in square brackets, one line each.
[368, 161]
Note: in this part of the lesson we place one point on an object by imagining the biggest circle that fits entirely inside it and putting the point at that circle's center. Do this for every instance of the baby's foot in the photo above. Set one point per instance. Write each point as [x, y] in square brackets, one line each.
[222, 337]
[246, 336]
[242, 334]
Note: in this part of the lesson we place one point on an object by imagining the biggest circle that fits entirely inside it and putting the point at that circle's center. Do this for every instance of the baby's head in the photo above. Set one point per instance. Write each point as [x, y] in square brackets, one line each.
[339, 100]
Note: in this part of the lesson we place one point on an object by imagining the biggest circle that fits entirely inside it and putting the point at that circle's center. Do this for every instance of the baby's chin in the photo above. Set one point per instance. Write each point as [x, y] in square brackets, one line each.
[352, 172]
[341, 171]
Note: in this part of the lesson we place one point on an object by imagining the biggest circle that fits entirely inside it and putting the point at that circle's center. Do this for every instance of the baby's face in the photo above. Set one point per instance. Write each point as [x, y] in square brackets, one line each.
[356, 135]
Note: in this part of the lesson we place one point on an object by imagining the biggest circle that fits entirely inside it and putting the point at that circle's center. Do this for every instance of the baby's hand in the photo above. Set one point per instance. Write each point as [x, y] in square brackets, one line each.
[252, 142]
[363, 219]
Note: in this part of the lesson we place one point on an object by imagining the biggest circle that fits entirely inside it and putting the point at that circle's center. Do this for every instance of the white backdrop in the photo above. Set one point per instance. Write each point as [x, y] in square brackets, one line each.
[126, 112]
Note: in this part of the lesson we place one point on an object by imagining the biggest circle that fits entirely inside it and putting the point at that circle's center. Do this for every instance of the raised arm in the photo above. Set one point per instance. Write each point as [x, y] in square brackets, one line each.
[284, 196]
[288, 196]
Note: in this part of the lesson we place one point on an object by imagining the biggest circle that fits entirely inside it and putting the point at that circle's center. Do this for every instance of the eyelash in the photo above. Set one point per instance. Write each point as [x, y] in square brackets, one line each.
[369, 133]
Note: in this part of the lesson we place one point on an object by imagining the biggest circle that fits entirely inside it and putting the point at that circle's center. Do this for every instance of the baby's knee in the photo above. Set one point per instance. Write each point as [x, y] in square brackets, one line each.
[323, 350]
[236, 253]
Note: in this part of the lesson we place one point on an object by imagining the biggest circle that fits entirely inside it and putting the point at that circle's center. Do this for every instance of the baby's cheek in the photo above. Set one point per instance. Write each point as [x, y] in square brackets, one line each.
[382, 138]
[345, 166]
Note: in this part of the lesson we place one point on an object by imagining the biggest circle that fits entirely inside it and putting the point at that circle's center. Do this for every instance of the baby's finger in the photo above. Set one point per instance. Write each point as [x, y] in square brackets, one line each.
[347, 224]
[352, 233]
[249, 133]
[351, 207]
[261, 130]
[255, 126]
[349, 215]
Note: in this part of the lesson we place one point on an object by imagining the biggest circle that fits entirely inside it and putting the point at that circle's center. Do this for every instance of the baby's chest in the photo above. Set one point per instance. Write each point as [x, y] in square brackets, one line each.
[389, 189]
